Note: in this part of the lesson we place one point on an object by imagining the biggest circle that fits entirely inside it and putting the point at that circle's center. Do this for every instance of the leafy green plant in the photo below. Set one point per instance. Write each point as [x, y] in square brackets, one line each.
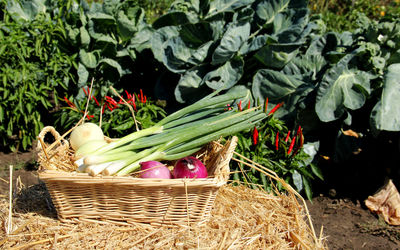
[222, 44]
[118, 117]
[338, 73]
[283, 151]
[33, 69]
[105, 36]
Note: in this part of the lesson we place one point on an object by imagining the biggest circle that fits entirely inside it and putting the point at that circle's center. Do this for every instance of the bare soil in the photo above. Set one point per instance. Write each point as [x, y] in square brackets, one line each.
[346, 223]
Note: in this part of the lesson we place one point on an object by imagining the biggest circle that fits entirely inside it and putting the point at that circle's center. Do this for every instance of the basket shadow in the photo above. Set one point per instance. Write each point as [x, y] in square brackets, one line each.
[35, 199]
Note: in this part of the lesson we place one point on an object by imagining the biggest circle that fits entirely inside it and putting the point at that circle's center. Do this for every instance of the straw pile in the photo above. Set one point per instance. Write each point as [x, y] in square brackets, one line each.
[242, 218]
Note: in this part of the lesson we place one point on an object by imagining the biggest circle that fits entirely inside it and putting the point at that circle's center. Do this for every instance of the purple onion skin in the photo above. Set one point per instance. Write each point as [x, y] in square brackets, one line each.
[154, 169]
[190, 167]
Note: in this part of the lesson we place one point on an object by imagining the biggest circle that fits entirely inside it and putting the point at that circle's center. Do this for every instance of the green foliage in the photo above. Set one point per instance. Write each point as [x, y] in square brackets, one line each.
[154, 9]
[341, 15]
[289, 158]
[116, 117]
[219, 44]
[105, 38]
[33, 69]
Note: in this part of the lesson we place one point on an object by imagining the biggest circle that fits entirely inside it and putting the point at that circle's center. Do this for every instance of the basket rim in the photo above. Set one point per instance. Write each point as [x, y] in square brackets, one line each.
[74, 177]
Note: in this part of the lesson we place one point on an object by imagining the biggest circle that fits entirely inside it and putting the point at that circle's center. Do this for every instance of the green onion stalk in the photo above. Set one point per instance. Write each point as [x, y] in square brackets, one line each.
[178, 135]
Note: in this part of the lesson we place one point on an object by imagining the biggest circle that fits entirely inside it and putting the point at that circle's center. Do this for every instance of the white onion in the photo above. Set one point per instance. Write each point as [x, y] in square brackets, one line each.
[84, 133]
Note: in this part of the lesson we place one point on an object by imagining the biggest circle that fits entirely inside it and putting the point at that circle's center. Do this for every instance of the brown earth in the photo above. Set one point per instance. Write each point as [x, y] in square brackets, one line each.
[347, 224]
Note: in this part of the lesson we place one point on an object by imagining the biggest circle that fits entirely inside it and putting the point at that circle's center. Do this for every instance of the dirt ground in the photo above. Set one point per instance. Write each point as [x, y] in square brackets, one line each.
[346, 223]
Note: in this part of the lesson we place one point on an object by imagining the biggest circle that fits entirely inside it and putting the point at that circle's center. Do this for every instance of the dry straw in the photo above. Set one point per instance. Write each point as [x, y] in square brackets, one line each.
[241, 218]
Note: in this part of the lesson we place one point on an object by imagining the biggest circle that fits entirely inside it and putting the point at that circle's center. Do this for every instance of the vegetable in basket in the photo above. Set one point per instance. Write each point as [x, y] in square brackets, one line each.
[154, 169]
[178, 135]
[84, 133]
[190, 167]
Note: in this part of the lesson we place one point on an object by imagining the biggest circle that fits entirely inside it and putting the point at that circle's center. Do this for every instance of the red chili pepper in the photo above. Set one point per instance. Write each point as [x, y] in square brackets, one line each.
[277, 141]
[98, 104]
[112, 102]
[298, 130]
[266, 105]
[141, 96]
[128, 96]
[109, 107]
[89, 116]
[299, 134]
[248, 105]
[84, 90]
[103, 108]
[287, 136]
[69, 102]
[255, 136]
[277, 106]
[291, 145]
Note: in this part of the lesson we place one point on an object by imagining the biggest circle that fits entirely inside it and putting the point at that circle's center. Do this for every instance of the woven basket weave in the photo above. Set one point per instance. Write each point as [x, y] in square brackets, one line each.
[127, 200]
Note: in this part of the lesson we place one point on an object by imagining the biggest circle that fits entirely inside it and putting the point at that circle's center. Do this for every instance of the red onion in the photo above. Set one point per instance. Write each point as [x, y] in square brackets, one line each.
[155, 169]
[190, 167]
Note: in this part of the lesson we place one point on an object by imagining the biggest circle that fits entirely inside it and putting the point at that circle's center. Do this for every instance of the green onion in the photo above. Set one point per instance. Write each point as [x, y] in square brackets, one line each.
[180, 134]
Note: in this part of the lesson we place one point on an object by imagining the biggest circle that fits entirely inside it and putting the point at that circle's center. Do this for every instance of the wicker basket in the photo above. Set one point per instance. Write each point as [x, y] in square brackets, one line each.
[127, 200]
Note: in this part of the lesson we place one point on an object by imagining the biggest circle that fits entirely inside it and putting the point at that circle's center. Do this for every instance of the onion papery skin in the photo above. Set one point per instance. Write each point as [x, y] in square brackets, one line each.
[190, 167]
[154, 169]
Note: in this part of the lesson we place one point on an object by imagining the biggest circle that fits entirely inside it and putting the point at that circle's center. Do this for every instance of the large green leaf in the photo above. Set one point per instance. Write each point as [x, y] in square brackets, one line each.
[297, 180]
[159, 38]
[254, 44]
[103, 18]
[85, 37]
[171, 19]
[225, 76]
[178, 57]
[323, 44]
[386, 113]
[112, 64]
[142, 39]
[25, 11]
[220, 6]
[279, 87]
[288, 26]
[267, 10]
[83, 75]
[88, 59]
[191, 86]
[307, 66]
[277, 55]
[341, 88]
[126, 27]
[196, 34]
[233, 39]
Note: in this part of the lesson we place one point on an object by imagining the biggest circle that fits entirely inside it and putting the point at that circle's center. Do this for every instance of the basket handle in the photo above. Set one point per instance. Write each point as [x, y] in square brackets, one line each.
[56, 135]
[222, 170]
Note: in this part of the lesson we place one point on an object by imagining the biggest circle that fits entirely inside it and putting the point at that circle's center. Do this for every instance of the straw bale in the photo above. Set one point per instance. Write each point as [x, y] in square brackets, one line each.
[242, 218]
